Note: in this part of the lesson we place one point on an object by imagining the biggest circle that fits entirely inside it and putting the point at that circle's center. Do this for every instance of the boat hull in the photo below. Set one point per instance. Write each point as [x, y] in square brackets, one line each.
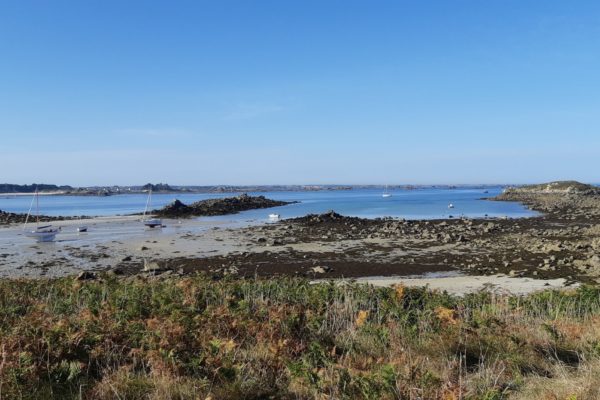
[43, 236]
[153, 223]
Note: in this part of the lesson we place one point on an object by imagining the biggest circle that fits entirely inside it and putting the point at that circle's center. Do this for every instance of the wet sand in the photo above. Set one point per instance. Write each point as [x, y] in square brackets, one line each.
[108, 241]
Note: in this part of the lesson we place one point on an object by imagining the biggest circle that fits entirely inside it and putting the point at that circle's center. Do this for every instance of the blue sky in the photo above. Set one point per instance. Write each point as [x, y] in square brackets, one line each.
[273, 92]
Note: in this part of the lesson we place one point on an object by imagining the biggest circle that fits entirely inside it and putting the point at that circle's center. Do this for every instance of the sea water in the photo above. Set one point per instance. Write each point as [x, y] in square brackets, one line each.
[427, 203]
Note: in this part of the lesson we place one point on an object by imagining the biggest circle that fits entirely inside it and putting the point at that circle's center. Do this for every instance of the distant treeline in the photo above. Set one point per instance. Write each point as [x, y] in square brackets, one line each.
[12, 188]
[159, 187]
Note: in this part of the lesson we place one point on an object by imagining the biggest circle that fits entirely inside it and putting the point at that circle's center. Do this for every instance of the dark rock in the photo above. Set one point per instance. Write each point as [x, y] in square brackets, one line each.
[86, 275]
[175, 209]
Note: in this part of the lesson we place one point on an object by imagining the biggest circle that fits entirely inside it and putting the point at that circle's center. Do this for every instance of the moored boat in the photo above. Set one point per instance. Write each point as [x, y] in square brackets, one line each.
[45, 233]
[386, 193]
[150, 222]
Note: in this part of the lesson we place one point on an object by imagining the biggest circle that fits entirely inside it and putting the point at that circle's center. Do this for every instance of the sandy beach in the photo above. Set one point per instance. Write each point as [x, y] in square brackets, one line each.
[461, 285]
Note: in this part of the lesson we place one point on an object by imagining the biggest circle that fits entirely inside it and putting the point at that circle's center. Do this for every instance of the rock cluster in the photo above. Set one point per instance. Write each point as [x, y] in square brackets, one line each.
[12, 218]
[211, 207]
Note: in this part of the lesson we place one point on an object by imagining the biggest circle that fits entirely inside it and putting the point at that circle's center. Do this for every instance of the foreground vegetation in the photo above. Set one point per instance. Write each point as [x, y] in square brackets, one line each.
[194, 338]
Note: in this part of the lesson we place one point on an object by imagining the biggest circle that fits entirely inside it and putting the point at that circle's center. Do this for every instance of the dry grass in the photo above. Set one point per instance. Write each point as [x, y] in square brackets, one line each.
[194, 338]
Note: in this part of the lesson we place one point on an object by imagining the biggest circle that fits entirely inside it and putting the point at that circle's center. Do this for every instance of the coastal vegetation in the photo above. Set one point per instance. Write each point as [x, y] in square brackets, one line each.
[197, 338]
[560, 187]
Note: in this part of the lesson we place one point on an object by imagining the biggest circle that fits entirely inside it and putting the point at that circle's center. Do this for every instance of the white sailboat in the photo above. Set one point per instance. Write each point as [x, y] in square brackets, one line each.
[150, 222]
[386, 193]
[45, 233]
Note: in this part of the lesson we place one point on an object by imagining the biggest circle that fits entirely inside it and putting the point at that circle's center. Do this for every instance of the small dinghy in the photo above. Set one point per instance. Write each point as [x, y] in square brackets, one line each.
[81, 229]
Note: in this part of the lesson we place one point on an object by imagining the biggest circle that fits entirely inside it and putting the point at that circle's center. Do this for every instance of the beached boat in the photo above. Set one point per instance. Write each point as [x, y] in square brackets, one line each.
[81, 229]
[386, 193]
[150, 222]
[45, 233]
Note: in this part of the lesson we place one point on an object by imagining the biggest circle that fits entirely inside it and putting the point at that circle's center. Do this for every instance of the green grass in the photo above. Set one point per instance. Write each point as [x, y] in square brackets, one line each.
[195, 338]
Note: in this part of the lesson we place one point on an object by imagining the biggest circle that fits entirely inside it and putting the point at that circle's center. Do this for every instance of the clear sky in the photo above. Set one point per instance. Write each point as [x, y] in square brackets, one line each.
[283, 91]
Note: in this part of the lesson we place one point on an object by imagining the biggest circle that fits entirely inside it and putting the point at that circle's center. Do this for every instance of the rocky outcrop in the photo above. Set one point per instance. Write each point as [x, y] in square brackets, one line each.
[329, 216]
[176, 209]
[567, 199]
[559, 187]
[212, 207]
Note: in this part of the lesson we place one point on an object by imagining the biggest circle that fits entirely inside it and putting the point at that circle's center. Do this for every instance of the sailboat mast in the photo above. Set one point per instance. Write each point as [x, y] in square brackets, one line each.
[148, 202]
[29, 212]
[37, 208]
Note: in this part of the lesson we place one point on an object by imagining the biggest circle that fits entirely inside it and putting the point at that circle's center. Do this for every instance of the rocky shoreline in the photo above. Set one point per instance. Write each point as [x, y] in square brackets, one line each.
[563, 242]
[567, 200]
[7, 218]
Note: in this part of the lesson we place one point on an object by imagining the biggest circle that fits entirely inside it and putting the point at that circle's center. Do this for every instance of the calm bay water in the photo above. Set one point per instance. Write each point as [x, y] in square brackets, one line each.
[368, 203]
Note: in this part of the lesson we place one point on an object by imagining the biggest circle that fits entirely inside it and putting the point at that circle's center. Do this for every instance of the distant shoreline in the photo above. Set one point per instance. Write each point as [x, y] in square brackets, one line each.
[114, 191]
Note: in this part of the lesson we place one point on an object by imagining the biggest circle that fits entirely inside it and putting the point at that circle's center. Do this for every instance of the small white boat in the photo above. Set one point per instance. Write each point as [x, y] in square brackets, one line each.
[386, 193]
[45, 233]
[150, 222]
[274, 216]
[450, 205]
[81, 229]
